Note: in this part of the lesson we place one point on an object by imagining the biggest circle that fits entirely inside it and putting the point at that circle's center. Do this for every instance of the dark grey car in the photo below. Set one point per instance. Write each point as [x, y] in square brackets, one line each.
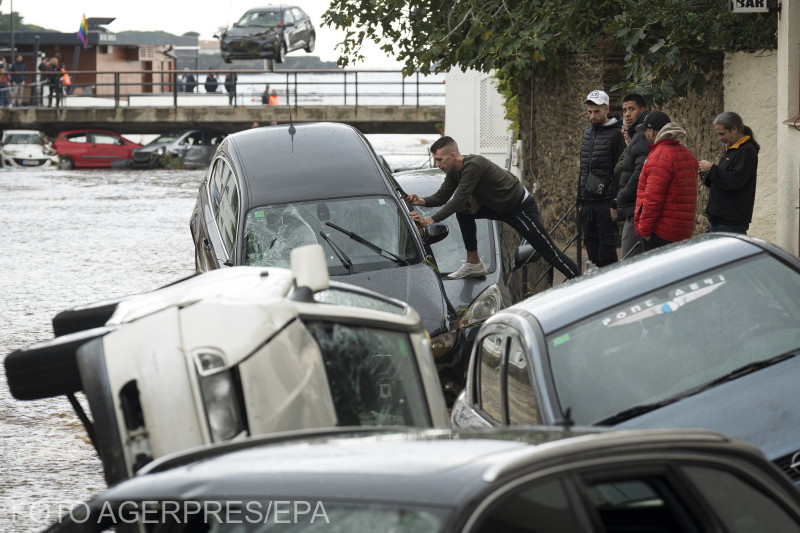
[435, 481]
[269, 190]
[194, 148]
[268, 32]
[701, 334]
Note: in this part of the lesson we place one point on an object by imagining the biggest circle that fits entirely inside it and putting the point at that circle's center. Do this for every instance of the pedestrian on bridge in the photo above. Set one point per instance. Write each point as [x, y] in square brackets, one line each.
[476, 188]
[230, 86]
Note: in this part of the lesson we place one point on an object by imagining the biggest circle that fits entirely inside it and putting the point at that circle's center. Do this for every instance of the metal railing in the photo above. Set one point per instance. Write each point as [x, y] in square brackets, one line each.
[574, 239]
[297, 87]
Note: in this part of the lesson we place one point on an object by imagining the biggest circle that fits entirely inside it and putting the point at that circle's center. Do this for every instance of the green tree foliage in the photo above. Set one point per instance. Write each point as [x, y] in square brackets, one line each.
[668, 44]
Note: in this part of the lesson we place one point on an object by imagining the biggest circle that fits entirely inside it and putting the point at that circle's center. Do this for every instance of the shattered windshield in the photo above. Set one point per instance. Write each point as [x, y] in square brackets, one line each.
[373, 375]
[271, 232]
[676, 338]
[21, 138]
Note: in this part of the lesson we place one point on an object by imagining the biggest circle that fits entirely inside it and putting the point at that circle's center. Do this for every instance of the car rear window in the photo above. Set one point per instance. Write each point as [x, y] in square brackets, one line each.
[373, 375]
[676, 338]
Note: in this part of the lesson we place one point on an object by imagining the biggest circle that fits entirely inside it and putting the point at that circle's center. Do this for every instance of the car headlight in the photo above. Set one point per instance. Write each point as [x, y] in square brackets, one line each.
[160, 150]
[485, 305]
[220, 398]
[441, 344]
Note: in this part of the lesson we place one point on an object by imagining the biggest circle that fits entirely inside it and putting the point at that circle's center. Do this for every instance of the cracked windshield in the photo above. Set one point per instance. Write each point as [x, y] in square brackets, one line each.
[271, 232]
[598, 364]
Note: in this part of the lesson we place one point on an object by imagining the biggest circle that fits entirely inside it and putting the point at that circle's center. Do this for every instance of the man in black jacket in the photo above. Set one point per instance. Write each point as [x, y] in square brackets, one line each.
[601, 147]
[634, 110]
[732, 181]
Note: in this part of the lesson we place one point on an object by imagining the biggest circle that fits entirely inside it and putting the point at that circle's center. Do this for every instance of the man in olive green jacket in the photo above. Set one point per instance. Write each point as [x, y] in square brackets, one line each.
[475, 188]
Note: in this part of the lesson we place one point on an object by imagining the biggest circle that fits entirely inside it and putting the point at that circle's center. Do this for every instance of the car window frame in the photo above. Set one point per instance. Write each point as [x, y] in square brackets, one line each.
[228, 255]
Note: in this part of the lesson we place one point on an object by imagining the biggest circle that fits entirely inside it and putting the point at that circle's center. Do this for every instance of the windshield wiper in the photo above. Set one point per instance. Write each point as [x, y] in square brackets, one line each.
[348, 264]
[375, 248]
[730, 376]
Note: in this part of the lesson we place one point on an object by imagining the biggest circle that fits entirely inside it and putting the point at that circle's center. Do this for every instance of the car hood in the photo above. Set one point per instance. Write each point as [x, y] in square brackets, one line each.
[417, 285]
[759, 408]
[249, 31]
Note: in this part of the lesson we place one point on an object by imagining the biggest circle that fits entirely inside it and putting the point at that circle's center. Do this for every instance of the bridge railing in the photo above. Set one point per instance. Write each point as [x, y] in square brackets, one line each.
[326, 87]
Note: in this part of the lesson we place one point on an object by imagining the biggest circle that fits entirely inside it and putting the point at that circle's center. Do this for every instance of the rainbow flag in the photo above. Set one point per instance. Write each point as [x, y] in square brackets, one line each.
[83, 32]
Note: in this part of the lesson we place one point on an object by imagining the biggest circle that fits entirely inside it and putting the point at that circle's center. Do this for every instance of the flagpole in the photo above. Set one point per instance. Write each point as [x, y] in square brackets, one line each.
[11, 19]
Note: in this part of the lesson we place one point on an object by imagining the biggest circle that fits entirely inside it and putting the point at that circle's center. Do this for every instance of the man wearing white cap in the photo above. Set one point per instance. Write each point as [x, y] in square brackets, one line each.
[601, 147]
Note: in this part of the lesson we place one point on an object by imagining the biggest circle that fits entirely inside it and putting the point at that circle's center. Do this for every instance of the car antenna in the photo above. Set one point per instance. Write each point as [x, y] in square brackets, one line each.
[292, 129]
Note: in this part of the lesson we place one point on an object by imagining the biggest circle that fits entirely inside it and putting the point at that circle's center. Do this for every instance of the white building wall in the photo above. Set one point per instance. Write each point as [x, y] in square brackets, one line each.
[474, 116]
[788, 134]
[751, 91]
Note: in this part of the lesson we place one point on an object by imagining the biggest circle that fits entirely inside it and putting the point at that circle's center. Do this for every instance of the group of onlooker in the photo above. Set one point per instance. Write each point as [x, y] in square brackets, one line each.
[187, 83]
[12, 82]
[635, 168]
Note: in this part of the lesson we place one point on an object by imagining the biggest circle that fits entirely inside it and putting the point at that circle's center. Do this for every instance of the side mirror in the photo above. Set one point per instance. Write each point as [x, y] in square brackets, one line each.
[524, 255]
[435, 232]
[310, 271]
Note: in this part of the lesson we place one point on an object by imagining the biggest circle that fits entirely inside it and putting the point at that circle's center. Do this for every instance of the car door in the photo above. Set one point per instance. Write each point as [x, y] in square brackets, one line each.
[104, 148]
[199, 150]
[656, 496]
[293, 30]
[303, 24]
[501, 389]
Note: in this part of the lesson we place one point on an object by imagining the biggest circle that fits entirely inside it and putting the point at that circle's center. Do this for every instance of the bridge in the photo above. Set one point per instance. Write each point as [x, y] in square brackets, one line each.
[372, 101]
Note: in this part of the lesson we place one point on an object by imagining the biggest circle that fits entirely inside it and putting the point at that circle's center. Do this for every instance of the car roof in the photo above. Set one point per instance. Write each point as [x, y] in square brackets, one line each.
[431, 466]
[594, 292]
[309, 161]
[89, 130]
[423, 181]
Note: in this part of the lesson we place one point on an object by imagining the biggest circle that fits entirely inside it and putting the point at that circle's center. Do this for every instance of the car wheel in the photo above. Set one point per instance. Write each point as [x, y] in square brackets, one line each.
[310, 42]
[226, 59]
[74, 320]
[281, 55]
[65, 162]
[49, 368]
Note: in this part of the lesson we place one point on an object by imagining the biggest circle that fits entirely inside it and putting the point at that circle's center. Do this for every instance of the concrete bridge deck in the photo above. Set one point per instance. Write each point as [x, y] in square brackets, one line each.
[153, 120]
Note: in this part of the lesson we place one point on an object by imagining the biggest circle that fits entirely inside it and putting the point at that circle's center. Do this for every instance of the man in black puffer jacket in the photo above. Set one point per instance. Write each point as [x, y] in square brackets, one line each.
[601, 147]
[634, 110]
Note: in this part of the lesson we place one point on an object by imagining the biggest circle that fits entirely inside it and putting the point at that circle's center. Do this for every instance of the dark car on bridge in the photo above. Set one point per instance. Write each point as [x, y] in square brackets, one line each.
[269, 190]
[92, 149]
[268, 32]
[699, 334]
[194, 149]
[532, 480]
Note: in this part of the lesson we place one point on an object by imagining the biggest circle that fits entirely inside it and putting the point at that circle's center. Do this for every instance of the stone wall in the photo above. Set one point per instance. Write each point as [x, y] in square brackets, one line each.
[552, 119]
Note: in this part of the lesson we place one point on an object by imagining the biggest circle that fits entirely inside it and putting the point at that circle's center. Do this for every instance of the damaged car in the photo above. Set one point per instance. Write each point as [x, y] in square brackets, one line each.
[268, 32]
[233, 353]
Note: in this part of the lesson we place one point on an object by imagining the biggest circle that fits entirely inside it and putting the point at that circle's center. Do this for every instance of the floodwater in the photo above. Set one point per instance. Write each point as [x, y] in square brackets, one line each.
[73, 237]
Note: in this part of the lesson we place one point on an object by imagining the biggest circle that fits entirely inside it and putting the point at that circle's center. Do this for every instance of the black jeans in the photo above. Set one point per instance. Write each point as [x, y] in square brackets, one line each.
[654, 242]
[526, 221]
[599, 233]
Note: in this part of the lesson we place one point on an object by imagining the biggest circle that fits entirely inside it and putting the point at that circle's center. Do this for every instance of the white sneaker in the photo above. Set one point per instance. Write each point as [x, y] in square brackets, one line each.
[469, 270]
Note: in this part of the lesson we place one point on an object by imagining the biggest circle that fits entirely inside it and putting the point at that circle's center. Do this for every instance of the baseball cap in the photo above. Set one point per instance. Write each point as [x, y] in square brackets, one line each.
[654, 121]
[597, 98]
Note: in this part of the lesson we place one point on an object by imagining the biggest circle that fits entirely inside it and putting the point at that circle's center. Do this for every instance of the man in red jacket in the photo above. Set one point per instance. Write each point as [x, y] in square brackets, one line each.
[666, 199]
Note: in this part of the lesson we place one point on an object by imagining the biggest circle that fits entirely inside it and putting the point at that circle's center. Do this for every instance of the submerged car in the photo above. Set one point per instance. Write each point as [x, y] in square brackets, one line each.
[532, 480]
[194, 148]
[269, 190]
[475, 299]
[700, 334]
[268, 32]
[232, 353]
[92, 149]
[26, 149]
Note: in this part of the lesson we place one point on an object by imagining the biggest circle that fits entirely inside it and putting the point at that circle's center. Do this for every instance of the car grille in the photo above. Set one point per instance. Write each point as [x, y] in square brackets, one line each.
[30, 162]
[141, 158]
[785, 464]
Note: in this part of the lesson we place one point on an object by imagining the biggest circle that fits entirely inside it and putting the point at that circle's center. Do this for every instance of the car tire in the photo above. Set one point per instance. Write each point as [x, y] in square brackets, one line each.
[49, 368]
[281, 55]
[226, 59]
[65, 162]
[310, 42]
[74, 320]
